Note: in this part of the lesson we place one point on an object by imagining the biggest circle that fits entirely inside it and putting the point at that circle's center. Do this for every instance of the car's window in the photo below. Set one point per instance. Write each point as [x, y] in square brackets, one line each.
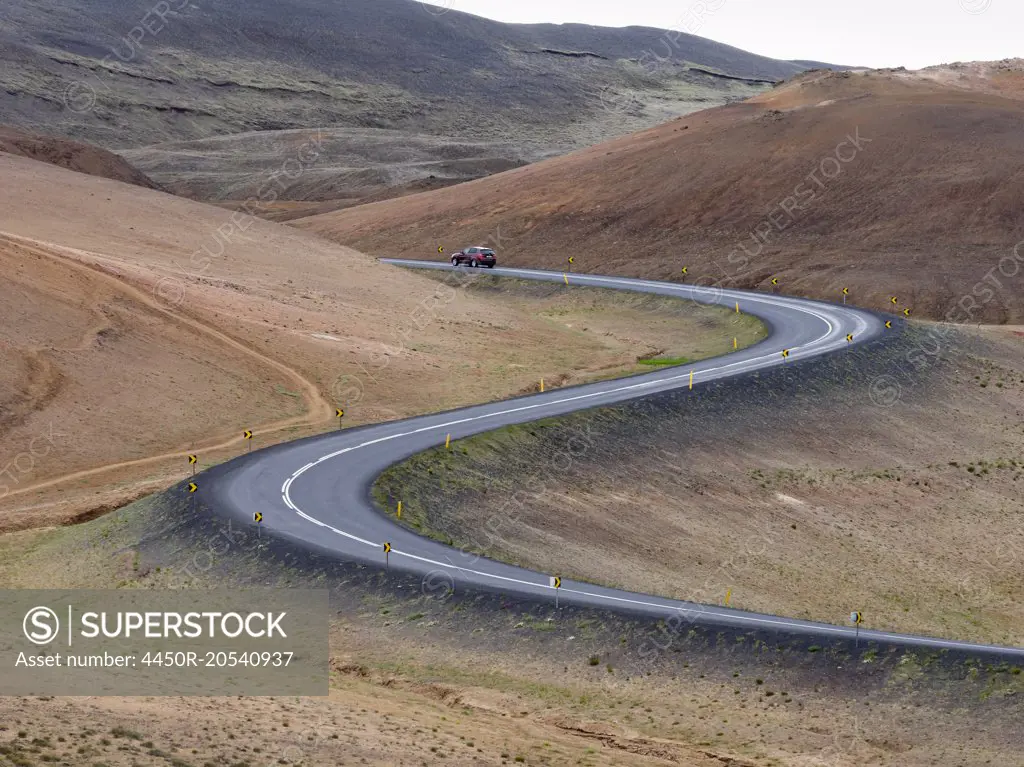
[487, 252]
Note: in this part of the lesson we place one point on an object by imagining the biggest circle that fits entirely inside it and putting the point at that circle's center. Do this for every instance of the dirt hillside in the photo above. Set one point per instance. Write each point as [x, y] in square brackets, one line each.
[73, 155]
[885, 182]
[136, 326]
[200, 69]
[464, 93]
[355, 163]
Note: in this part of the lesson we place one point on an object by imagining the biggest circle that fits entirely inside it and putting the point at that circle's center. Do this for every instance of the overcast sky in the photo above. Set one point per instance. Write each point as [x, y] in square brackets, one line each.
[911, 33]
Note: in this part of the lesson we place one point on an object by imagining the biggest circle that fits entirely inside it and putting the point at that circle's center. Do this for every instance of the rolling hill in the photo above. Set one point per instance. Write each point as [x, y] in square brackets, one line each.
[73, 155]
[136, 77]
[119, 75]
[887, 182]
[351, 163]
[138, 326]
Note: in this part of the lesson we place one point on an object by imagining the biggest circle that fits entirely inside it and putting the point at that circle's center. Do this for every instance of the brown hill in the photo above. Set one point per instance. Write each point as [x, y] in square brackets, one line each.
[351, 163]
[73, 155]
[203, 69]
[126, 74]
[884, 182]
[136, 326]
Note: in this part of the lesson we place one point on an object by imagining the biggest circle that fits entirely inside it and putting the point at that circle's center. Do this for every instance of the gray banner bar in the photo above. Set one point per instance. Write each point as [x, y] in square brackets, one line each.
[164, 642]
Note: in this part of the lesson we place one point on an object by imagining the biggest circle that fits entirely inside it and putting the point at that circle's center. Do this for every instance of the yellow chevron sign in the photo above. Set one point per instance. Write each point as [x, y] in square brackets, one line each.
[785, 354]
[340, 413]
[572, 259]
[888, 324]
[775, 281]
[684, 270]
[846, 291]
[849, 338]
[258, 517]
[192, 460]
[555, 582]
[906, 312]
[192, 487]
[247, 434]
[894, 300]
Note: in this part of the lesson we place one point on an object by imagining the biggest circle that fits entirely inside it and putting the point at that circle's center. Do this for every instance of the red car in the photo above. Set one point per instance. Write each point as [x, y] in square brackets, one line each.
[475, 256]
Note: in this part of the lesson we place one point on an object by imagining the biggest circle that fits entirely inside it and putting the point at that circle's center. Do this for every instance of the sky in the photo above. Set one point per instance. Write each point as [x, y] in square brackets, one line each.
[873, 33]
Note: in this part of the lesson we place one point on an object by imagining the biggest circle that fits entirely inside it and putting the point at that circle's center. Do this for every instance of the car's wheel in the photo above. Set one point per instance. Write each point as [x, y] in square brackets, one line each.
[455, 261]
[473, 263]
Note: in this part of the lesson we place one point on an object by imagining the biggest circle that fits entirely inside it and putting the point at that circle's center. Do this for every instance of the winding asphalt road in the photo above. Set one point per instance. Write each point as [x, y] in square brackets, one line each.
[316, 492]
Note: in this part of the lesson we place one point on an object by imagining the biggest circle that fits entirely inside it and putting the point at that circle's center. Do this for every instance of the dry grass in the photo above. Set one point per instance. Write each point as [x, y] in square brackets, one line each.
[409, 705]
[416, 681]
[808, 508]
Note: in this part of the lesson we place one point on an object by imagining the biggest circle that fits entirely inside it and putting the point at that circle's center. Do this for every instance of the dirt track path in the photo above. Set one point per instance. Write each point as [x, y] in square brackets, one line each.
[318, 408]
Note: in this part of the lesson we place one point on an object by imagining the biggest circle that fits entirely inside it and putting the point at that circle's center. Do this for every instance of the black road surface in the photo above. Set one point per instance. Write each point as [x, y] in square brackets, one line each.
[316, 492]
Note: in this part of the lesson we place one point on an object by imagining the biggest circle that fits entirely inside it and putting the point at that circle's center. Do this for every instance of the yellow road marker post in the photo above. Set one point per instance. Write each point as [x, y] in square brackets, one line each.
[542, 386]
[737, 307]
[728, 597]
[735, 343]
[691, 380]
[448, 442]
[857, 618]
[566, 277]
[399, 509]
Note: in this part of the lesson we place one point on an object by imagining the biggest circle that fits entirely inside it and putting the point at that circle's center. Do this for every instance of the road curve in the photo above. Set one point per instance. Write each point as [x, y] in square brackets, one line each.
[316, 492]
